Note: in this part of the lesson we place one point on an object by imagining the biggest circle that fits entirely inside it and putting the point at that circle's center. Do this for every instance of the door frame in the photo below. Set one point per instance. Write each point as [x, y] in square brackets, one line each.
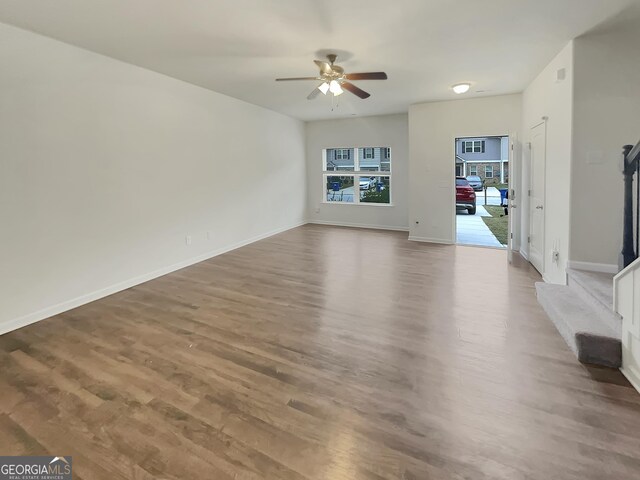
[512, 199]
[512, 139]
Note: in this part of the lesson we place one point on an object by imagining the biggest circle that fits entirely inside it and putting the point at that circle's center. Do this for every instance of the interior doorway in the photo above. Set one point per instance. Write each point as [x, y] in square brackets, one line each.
[482, 170]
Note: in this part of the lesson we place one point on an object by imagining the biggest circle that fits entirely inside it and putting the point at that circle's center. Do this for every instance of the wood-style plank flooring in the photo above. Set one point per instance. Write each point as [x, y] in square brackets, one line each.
[320, 353]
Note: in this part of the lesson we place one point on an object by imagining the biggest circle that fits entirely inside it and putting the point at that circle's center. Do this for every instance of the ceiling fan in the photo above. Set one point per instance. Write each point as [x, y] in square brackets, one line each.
[334, 79]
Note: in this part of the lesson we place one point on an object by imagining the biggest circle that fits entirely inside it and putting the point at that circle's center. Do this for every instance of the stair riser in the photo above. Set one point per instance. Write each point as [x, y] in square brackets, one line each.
[599, 350]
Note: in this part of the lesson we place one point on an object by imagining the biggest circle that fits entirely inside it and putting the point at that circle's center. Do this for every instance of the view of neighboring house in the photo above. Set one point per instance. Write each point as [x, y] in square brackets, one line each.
[486, 157]
[372, 159]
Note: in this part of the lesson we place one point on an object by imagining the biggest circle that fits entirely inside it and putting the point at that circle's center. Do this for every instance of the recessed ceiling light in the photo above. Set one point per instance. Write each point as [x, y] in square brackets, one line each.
[461, 88]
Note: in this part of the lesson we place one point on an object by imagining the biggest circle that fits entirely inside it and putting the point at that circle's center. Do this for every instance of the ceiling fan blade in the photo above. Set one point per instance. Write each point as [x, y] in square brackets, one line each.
[367, 76]
[296, 78]
[324, 67]
[355, 90]
[314, 93]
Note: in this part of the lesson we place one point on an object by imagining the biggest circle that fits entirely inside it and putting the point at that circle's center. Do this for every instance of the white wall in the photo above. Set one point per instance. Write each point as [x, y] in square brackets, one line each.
[547, 97]
[606, 117]
[106, 167]
[379, 131]
[433, 128]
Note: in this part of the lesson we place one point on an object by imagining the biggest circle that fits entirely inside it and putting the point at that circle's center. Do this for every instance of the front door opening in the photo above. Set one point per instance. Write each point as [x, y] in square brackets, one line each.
[482, 183]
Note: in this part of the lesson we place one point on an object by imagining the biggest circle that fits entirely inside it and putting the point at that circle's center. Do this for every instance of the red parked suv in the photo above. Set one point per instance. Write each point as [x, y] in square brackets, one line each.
[465, 195]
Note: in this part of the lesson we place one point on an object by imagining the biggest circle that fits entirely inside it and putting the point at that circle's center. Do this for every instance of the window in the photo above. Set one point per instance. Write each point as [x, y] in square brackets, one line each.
[473, 146]
[340, 189]
[488, 171]
[376, 189]
[342, 154]
[473, 170]
[364, 178]
[458, 170]
[372, 159]
[339, 159]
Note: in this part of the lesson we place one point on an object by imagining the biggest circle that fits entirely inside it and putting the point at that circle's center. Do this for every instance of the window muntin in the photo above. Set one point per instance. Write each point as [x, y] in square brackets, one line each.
[473, 146]
[473, 170]
[342, 154]
[488, 171]
[350, 186]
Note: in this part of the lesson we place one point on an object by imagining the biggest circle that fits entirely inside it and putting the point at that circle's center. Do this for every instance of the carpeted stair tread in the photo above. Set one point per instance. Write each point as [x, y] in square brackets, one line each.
[599, 285]
[591, 339]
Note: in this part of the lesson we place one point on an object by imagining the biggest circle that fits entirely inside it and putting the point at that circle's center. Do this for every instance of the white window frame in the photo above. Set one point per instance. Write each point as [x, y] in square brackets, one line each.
[356, 173]
[488, 169]
[342, 154]
[473, 170]
[369, 153]
[473, 144]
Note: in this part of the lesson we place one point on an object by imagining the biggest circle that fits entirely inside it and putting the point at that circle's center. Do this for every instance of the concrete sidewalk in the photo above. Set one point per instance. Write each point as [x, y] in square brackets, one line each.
[471, 229]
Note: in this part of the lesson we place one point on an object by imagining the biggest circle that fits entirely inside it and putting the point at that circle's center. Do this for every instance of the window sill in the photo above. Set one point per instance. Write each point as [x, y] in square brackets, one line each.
[366, 204]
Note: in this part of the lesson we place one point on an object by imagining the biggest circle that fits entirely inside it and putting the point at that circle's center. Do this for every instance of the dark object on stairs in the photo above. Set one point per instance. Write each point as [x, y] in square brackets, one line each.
[631, 167]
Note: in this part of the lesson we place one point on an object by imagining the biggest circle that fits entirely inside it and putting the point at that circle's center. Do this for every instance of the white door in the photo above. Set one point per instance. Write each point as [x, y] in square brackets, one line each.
[538, 159]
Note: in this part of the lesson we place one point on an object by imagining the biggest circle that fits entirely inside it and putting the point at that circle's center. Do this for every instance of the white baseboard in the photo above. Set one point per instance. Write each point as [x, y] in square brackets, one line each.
[413, 238]
[593, 267]
[132, 282]
[359, 225]
[633, 377]
[524, 255]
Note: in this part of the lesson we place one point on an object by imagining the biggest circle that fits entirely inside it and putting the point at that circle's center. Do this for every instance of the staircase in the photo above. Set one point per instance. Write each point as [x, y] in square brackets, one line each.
[626, 295]
[583, 313]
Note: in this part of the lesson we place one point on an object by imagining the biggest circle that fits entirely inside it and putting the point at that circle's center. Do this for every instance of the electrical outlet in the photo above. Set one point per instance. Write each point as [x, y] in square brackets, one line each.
[555, 256]
[187, 239]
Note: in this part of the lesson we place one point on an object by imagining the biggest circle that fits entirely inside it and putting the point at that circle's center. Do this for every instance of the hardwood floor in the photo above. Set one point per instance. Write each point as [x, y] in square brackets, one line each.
[320, 353]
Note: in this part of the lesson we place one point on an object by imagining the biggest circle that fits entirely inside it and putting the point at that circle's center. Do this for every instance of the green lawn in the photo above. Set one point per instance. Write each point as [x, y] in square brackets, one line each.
[498, 223]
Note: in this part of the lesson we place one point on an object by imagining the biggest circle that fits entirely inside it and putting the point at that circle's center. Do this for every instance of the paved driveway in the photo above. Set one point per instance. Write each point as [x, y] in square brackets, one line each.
[344, 195]
[471, 229]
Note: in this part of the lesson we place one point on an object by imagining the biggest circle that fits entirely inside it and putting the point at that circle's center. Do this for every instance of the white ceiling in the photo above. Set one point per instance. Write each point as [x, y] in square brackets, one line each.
[238, 47]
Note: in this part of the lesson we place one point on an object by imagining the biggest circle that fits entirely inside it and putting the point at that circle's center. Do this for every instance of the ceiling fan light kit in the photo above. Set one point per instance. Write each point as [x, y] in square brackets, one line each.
[334, 79]
[335, 88]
